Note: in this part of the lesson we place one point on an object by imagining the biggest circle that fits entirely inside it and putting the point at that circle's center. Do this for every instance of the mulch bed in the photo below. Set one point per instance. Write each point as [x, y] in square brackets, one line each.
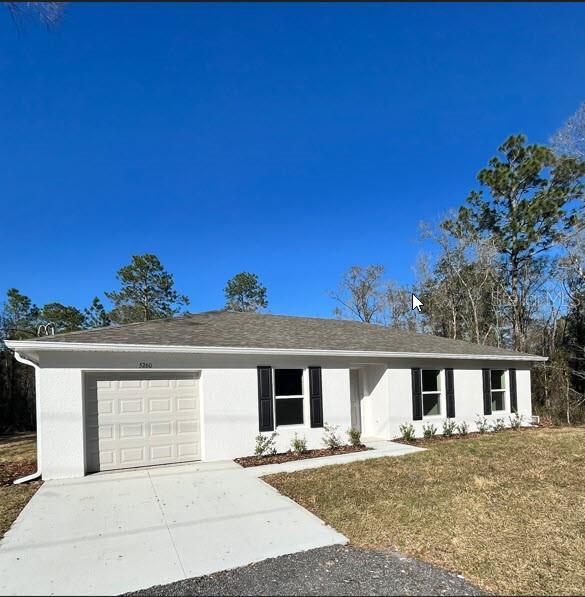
[440, 439]
[9, 471]
[247, 461]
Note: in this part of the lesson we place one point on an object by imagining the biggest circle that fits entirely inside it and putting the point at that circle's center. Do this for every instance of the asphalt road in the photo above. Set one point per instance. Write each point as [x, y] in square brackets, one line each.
[333, 570]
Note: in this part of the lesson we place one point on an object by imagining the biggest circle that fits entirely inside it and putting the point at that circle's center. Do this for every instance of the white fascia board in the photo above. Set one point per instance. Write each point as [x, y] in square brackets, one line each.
[24, 345]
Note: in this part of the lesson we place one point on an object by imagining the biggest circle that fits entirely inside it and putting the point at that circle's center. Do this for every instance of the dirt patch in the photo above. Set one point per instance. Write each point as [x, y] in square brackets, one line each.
[17, 459]
[10, 471]
[247, 461]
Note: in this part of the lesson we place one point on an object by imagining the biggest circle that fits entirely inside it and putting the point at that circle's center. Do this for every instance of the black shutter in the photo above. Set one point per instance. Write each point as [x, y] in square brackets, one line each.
[316, 396]
[417, 411]
[450, 392]
[265, 401]
[487, 392]
[513, 393]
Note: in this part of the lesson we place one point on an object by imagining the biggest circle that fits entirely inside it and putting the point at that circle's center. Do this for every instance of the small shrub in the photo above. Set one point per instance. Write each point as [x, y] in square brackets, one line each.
[298, 444]
[516, 421]
[482, 424]
[429, 430]
[448, 427]
[331, 436]
[407, 431]
[265, 444]
[498, 425]
[355, 437]
[463, 428]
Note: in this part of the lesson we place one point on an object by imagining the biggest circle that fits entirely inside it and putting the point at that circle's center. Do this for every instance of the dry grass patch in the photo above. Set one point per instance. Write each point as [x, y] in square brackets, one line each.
[505, 510]
[17, 458]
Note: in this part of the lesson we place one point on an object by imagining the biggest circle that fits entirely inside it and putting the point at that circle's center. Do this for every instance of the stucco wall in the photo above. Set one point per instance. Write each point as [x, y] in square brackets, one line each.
[62, 426]
[467, 377]
[229, 402]
[229, 399]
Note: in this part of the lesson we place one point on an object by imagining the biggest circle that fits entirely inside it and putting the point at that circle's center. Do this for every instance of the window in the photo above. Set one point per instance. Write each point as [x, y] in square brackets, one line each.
[288, 396]
[498, 380]
[431, 392]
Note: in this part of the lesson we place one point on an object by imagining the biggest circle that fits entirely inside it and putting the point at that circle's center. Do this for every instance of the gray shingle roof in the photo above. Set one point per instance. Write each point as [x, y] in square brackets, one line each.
[255, 330]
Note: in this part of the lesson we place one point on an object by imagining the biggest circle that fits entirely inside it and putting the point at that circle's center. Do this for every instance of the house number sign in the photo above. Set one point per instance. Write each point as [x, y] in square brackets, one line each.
[144, 365]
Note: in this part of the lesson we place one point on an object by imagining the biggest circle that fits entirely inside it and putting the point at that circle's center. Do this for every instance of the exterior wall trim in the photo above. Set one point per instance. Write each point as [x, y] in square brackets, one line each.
[27, 345]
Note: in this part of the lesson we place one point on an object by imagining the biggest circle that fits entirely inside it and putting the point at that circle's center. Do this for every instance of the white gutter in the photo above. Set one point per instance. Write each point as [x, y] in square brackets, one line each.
[30, 345]
[37, 473]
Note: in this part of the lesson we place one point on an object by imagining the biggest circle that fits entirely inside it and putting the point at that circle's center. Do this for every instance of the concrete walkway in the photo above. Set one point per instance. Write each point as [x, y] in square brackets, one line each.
[115, 532]
[380, 449]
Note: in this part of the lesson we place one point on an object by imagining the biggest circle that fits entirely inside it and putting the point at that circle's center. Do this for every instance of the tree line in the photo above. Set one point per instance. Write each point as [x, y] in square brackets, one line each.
[147, 291]
[508, 269]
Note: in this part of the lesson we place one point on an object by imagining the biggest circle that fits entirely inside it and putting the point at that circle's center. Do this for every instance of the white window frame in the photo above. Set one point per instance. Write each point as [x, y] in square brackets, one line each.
[301, 396]
[440, 392]
[503, 391]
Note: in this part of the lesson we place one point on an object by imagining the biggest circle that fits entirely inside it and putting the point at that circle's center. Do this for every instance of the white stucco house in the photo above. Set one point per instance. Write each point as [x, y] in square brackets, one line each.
[201, 386]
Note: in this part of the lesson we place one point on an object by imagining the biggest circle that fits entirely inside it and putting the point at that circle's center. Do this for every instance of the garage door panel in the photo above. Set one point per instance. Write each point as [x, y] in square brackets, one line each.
[131, 406]
[188, 450]
[158, 453]
[107, 458]
[186, 427]
[186, 404]
[158, 405]
[161, 383]
[106, 432]
[131, 431]
[140, 421]
[129, 384]
[105, 406]
[132, 456]
[162, 429]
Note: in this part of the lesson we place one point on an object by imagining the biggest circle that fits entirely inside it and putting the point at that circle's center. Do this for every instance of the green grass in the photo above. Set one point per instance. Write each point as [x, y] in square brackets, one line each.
[17, 458]
[505, 510]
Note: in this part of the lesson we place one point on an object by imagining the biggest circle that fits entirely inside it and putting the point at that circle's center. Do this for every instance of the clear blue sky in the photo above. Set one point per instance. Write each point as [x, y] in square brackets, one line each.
[287, 140]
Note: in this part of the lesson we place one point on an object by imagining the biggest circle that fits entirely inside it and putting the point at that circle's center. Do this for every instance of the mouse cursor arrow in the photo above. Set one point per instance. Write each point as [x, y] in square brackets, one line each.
[416, 303]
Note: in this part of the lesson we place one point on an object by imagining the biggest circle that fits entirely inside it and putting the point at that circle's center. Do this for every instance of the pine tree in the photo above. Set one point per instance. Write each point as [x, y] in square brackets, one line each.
[147, 291]
[530, 208]
[245, 293]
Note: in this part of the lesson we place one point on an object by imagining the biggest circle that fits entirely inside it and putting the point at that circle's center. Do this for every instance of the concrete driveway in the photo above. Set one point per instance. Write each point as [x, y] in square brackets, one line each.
[122, 531]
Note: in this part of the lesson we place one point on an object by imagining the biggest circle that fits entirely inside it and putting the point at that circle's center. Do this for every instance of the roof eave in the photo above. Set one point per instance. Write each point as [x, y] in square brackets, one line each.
[28, 345]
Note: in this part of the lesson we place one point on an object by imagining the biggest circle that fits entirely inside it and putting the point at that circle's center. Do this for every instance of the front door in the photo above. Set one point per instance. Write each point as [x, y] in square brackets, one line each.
[356, 398]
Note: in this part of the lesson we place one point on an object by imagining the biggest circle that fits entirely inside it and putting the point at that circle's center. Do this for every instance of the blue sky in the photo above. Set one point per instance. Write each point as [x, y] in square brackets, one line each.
[288, 140]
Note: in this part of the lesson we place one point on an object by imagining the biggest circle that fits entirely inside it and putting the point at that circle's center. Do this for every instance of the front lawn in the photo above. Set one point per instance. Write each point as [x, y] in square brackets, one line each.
[506, 510]
[17, 459]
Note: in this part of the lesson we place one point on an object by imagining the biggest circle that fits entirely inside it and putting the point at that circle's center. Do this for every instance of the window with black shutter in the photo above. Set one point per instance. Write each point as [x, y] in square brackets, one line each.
[288, 396]
[265, 399]
[513, 391]
[450, 393]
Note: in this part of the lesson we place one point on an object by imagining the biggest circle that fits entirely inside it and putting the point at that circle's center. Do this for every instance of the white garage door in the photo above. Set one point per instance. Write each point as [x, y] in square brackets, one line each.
[141, 420]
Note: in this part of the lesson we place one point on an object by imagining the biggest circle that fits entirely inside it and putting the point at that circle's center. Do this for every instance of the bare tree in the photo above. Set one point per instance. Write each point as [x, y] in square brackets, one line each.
[570, 138]
[360, 293]
[462, 291]
[572, 264]
[397, 312]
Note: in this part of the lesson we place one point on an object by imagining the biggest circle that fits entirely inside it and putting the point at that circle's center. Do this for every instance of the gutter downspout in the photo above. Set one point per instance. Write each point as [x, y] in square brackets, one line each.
[37, 474]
